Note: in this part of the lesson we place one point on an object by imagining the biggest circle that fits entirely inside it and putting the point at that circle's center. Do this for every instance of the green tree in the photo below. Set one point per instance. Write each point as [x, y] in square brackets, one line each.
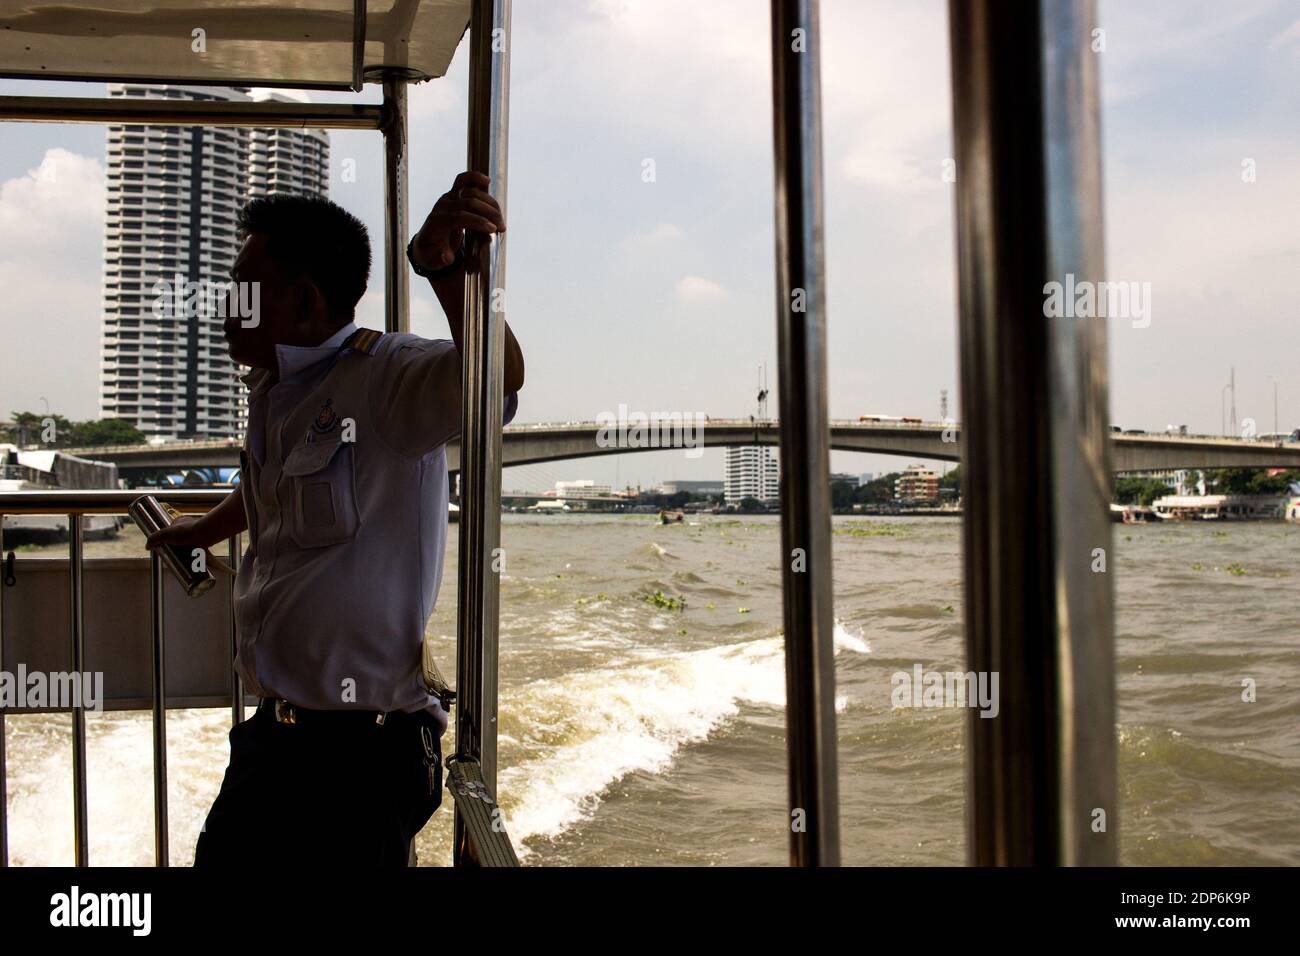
[34, 428]
[1140, 491]
[878, 491]
[843, 495]
[107, 431]
[1251, 481]
[952, 480]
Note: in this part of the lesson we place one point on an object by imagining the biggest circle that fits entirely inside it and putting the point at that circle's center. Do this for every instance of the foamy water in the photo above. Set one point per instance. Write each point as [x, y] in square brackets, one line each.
[631, 733]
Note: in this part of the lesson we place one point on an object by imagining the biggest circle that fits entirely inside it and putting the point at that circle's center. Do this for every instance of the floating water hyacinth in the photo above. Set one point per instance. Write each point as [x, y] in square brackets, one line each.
[870, 531]
[661, 600]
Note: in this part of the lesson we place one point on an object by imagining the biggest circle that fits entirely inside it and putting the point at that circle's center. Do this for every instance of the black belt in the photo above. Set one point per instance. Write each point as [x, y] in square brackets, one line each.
[284, 712]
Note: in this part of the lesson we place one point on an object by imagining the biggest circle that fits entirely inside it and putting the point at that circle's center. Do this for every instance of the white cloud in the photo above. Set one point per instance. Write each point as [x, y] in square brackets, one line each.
[699, 289]
[50, 206]
[434, 98]
[1289, 36]
[51, 242]
[664, 232]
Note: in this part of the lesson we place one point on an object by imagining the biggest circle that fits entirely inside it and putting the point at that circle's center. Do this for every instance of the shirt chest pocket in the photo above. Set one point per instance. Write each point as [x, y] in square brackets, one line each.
[323, 499]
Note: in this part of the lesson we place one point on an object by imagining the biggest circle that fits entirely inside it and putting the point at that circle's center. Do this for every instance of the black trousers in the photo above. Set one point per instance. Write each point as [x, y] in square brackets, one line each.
[336, 791]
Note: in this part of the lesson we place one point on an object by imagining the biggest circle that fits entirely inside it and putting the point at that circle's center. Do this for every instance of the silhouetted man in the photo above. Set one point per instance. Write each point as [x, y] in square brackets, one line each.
[343, 492]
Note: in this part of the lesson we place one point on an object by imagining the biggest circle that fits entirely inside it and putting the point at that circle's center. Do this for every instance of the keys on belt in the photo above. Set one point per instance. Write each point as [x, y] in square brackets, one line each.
[432, 758]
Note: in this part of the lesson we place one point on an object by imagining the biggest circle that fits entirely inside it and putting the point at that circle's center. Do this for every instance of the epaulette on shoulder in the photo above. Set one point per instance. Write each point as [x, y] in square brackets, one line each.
[363, 340]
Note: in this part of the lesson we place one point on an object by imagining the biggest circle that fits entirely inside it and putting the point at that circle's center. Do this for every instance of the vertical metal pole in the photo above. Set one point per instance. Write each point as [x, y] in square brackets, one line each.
[358, 44]
[396, 289]
[480, 444]
[1234, 421]
[1275, 420]
[236, 685]
[805, 434]
[81, 833]
[1036, 470]
[161, 857]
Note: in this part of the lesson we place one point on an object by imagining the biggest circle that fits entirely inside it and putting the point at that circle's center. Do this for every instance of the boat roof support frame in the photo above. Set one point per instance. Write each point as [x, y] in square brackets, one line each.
[481, 559]
[806, 561]
[1039, 610]
[135, 110]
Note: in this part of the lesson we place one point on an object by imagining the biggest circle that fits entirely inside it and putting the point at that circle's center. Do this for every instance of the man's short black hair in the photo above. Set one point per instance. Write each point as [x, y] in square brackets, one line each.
[309, 235]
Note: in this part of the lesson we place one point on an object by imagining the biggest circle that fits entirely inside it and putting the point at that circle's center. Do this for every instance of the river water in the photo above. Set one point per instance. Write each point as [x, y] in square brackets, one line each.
[637, 734]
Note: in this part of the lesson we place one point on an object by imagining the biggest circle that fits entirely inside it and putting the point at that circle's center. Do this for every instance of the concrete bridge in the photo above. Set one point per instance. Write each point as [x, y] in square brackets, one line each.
[545, 441]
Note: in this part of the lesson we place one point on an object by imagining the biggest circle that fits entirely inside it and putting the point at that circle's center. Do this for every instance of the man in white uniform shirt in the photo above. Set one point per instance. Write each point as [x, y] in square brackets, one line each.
[343, 493]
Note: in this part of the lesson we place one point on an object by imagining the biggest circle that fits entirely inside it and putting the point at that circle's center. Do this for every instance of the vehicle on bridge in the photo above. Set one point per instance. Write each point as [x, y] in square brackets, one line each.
[1280, 437]
[897, 419]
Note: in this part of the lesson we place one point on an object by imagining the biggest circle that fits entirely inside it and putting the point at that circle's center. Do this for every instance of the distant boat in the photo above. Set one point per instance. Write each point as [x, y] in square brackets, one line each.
[1220, 507]
[1132, 514]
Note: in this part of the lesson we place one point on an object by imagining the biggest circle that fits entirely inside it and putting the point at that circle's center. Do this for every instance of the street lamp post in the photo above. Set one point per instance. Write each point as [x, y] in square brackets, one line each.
[1275, 423]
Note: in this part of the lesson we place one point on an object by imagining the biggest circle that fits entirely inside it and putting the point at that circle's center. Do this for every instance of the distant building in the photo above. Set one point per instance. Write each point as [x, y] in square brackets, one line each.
[287, 160]
[582, 488]
[866, 478]
[172, 198]
[567, 491]
[845, 479]
[752, 471]
[693, 487]
[1184, 481]
[916, 484]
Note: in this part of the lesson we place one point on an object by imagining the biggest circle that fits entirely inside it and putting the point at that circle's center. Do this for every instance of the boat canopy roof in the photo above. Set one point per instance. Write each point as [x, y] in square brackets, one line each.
[327, 44]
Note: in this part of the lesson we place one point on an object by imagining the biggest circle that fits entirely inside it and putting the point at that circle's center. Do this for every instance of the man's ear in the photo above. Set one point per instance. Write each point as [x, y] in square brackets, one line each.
[304, 301]
[309, 308]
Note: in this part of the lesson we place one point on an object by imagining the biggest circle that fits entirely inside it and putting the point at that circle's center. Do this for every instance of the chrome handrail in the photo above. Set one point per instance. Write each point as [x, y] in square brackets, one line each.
[60, 501]
[75, 504]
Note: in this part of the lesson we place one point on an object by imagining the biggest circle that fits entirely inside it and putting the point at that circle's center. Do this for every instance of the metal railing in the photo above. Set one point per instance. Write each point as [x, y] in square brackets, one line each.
[75, 505]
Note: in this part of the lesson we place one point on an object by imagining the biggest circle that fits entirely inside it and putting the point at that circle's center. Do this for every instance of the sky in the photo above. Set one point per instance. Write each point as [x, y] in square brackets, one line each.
[660, 295]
